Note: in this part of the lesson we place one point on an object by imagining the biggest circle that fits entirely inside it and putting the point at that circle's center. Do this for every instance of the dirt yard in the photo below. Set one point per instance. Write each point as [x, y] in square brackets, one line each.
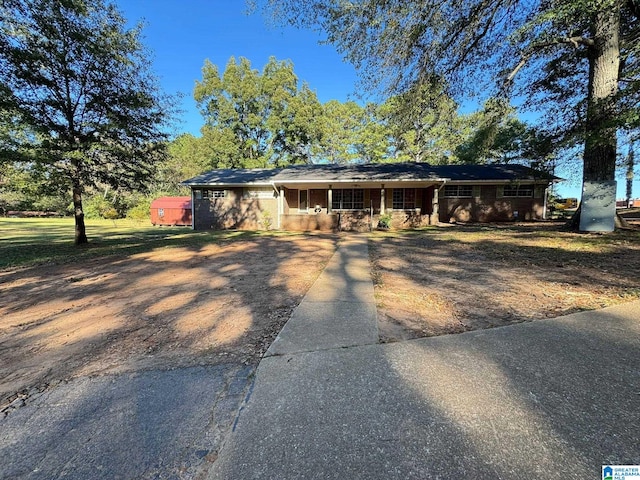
[455, 279]
[225, 302]
[166, 308]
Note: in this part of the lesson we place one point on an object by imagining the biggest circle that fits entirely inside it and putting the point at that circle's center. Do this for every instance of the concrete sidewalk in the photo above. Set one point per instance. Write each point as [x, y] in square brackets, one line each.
[548, 399]
[339, 310]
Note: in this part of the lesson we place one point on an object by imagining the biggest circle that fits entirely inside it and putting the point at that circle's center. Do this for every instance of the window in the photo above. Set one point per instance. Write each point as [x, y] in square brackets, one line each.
[208, 193]
[347, 199]
[458, 191]
[257, 192]
[404, 198]
[518, 191]
[303, 205]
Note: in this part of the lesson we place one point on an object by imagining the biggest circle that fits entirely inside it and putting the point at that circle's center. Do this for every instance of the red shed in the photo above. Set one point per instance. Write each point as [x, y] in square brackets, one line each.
[171, 211]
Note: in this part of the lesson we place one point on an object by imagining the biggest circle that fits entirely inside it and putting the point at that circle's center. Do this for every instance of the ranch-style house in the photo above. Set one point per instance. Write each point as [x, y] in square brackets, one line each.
[354, 196]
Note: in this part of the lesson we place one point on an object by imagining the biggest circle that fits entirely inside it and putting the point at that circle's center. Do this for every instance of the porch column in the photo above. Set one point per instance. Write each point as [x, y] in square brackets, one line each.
[382, 200]
[329, 198]
[435, 215]
[280, 207]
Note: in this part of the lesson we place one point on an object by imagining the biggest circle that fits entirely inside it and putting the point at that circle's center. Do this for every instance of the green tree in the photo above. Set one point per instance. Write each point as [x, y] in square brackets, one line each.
[579, 58]
[497, 136]
[628, 163]
[424, 124]
[341, 126]
[301, 126]
[373, 139]
[187, 156]
[80, 80]
[253, 119]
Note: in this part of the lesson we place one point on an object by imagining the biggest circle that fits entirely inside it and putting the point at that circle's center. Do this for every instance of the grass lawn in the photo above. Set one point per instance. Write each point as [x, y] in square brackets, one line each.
[33, 241]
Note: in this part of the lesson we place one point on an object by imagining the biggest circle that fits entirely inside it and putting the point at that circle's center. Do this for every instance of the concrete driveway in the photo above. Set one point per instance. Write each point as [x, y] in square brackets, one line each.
[547, 399]
[161, 424]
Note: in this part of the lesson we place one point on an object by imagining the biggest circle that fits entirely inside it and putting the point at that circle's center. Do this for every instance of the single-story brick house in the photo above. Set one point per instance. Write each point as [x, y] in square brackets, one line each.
[352, 197]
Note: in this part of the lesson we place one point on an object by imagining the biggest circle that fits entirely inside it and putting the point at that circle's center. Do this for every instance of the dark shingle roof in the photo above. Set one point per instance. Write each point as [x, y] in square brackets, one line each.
[358, 172]
[371, 172]
[234, 176]
[492, 172]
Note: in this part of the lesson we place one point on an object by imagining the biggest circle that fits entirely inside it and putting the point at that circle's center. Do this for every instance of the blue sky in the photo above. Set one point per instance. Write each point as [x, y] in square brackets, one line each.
[181, 35]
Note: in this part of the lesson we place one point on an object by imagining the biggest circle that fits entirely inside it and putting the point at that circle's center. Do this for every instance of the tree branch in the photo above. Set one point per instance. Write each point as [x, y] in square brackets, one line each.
[576, 41]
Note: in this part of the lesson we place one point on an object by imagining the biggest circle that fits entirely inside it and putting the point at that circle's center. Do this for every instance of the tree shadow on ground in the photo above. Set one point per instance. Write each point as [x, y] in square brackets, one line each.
[200, 304]
[452, 280]
[548, 396]
[512, 403]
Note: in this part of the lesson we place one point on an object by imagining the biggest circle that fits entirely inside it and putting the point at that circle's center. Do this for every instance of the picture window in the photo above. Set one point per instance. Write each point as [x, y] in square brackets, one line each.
[404, 198]
[347, 199]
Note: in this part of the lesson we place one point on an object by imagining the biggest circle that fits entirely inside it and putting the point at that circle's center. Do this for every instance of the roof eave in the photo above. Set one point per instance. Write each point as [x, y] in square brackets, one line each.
[226, 184]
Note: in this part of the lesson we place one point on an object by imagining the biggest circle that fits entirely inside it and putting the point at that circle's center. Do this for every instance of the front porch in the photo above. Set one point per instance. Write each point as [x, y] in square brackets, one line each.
[356, 207]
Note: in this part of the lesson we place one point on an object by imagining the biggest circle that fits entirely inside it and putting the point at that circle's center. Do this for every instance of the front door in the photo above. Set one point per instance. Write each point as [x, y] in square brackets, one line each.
[303, 204]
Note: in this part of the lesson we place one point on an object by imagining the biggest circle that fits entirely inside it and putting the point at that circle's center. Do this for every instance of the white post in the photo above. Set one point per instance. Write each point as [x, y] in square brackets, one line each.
[280, 207]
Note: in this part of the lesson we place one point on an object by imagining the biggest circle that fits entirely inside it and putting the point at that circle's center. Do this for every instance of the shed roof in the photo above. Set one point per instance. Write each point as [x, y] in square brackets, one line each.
[172, 202]
[369, 172]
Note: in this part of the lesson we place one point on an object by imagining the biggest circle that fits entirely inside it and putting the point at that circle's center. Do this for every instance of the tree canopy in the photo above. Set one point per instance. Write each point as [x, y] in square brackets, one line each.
[80, 81]
[256, 119]
[264, 119]
[578, 60]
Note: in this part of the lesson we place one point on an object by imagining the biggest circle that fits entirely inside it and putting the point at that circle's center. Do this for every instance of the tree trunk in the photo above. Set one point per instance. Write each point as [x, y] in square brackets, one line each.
[81, 235]
[631, 163]
[600, 142]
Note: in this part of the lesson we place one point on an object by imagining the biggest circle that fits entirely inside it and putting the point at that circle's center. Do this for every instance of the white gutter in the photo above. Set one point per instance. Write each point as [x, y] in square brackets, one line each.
[222, 184]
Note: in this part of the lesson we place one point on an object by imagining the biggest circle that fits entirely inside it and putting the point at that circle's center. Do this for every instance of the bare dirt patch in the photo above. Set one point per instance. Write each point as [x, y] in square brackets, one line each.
[165, 308]
[454, 279]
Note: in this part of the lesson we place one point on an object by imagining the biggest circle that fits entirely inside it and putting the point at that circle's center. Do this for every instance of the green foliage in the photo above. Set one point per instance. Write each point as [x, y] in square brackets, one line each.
[103, 206]
[342, 123]
[424, 124]
[188, 156]
[261, 119]
[80, 80]
[497, 135]
[253, 119]
[95, 206]
[266, 220]
[384, 221]
[24, 186]
[141, 210]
